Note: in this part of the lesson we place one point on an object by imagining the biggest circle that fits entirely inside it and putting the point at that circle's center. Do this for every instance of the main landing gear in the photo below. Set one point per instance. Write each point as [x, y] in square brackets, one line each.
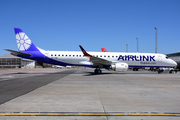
[97, 71]
[160, 71]
[135, 69]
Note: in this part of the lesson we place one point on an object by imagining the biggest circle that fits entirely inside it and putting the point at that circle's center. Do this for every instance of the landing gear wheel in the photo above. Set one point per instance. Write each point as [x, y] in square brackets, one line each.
[97, 71]
[135, 69]
[172, 71]
[160, 71]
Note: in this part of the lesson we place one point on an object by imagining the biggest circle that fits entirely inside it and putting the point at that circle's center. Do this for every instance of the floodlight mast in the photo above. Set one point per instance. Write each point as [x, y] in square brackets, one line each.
[137, 46]
[126, 47]
[155, 39]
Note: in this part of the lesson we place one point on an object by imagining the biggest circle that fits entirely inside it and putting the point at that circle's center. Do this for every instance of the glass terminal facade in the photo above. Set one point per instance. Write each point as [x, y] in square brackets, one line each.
[175, 57]
[9, 61]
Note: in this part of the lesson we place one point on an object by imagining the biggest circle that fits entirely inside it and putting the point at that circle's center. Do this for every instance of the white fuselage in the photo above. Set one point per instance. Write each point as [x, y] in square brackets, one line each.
[132, 59]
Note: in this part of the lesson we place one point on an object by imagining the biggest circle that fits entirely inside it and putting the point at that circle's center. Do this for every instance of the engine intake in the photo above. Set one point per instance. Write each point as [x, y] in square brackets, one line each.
[120, 67]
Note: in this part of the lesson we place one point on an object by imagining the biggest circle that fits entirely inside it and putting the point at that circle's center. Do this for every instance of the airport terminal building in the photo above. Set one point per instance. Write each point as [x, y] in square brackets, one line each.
[10, 61]
[175, 57]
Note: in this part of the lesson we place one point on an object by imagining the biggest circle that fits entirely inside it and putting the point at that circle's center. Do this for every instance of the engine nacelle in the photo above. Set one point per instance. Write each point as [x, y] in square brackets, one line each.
[120, 67]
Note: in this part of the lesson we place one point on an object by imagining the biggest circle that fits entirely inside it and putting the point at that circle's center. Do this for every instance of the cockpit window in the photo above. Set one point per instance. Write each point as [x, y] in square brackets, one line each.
[167, 57]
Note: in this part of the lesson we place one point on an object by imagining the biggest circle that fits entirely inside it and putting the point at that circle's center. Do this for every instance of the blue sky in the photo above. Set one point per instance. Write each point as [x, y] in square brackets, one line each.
[62, 25]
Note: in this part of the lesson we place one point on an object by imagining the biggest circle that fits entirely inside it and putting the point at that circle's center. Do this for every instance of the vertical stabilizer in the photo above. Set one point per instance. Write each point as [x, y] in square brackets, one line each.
[23, 42]
[104, 50]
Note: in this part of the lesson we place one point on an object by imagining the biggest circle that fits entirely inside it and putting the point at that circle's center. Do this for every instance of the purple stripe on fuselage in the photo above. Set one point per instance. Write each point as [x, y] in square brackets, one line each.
[146, 66]
[38, 56]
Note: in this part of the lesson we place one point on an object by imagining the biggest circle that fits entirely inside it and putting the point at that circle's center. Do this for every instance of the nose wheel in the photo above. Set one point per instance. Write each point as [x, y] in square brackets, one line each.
[172, 71]
[97, 71]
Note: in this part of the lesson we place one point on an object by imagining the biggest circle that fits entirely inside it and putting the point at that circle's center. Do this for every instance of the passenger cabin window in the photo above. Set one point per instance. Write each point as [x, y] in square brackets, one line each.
[58, 55]
[104, 56]
[79, 55]
[51, 54]
[76, 55]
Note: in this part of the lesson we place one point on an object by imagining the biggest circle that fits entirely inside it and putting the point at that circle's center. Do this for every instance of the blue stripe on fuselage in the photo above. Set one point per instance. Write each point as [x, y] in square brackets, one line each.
[38, 56]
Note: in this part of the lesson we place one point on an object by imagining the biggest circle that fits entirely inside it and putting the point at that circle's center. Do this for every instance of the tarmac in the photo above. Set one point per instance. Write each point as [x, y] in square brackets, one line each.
[79, 94]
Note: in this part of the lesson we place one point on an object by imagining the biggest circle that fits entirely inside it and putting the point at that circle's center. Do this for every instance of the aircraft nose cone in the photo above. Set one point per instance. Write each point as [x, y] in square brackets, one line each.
[174, 63]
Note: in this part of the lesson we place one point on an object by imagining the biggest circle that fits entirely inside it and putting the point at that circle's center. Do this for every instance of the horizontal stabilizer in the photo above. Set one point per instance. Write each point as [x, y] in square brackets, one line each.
[17, 53]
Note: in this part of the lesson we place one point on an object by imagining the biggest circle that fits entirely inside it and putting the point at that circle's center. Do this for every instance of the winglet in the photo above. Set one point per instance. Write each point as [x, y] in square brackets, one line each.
[84, 52]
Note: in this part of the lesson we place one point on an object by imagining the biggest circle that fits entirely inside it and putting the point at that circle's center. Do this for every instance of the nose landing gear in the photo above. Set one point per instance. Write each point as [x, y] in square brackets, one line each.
[171, 70]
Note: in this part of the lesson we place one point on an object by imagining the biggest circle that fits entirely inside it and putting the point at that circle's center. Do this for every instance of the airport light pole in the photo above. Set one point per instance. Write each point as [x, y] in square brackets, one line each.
[126, 47]
[155, 39]
[137, 45]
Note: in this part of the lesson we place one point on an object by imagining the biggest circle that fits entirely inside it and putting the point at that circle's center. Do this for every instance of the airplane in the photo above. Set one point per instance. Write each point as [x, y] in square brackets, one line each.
[104, 50]
[117, 61]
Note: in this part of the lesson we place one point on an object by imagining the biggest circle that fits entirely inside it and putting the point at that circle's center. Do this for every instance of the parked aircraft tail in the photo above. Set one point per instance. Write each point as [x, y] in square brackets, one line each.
[104, 50]
[23, 42]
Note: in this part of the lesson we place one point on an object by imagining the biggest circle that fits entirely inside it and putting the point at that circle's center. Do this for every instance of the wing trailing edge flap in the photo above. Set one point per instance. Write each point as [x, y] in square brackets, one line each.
[13, 52]
[95, 60]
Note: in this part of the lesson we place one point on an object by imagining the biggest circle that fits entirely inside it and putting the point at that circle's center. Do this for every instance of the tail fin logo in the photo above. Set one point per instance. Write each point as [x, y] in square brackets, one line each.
[23, 41]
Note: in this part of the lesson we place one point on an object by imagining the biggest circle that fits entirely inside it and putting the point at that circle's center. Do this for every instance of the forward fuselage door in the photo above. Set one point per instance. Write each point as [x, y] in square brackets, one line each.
[160, 58]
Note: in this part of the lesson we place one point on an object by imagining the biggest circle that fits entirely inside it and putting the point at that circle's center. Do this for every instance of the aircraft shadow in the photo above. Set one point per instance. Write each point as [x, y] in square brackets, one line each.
[119, 73]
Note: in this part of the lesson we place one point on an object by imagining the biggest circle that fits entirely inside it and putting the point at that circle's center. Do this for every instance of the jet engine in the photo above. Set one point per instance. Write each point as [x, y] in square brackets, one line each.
[120, 67]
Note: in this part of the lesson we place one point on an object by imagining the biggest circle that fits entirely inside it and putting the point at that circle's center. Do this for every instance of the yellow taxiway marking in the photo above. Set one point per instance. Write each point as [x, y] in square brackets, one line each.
[148, 114]
[93, 114]
[86, 114]
[19, 114]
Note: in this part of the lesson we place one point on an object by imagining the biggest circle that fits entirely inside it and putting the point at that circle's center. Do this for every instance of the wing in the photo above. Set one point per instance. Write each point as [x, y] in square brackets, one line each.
[96, 60]
[17, 53]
